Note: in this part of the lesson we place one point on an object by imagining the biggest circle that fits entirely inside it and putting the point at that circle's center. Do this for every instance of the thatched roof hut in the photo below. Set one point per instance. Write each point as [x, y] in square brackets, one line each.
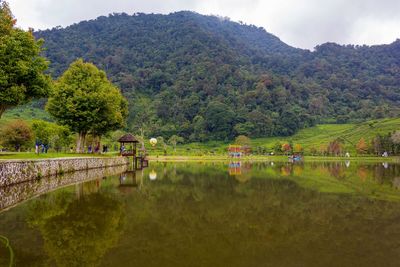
[128, 138]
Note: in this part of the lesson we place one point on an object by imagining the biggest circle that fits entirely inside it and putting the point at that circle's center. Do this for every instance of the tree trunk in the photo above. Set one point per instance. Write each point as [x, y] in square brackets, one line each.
[80, 143]
[97, 139]
[2, 109]
[99, 144]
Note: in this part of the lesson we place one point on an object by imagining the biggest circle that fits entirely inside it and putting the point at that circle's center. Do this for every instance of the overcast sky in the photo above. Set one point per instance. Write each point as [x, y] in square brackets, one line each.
[300, 23]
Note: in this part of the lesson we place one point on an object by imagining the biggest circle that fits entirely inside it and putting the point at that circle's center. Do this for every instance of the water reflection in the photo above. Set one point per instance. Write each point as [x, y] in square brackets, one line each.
[302, 214]
[128, 178]
[11, 195]
[77, 231]
[153, 175]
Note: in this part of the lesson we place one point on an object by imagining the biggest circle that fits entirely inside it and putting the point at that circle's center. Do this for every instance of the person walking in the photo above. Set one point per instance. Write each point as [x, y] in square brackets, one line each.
[37, 144]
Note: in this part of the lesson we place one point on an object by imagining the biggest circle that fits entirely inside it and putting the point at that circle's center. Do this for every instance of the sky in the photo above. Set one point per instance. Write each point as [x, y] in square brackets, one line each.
[299, 23]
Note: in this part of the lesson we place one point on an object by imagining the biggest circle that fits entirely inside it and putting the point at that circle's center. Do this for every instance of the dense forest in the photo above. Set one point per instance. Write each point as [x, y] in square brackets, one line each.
[206, 77]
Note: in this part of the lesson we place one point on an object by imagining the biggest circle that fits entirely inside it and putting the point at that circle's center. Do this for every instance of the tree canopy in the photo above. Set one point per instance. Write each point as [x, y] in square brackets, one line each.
[87, 102]
[204, 78]
[21, 66]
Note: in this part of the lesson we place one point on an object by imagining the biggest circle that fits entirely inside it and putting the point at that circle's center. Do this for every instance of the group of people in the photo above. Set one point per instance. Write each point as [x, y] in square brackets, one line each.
[97, 148]
[41, 148]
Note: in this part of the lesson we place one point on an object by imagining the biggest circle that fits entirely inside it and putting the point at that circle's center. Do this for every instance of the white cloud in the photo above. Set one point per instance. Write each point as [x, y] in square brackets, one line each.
[301, 23]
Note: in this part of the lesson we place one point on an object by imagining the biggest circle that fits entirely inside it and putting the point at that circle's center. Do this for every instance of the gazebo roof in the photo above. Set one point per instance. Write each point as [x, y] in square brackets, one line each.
[128, 138]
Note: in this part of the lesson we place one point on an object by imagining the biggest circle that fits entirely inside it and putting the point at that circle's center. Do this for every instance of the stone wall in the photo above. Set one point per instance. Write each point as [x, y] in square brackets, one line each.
[16, 193]
[18, 171]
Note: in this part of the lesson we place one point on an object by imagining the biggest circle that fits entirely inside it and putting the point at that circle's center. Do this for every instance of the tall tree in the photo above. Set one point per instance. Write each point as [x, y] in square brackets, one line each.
[243, 140]
[362, 147]
[335, 147]
[174, 140]
[220, 119]
[86, 101]
[377, 145]
[395, 137]
[22, 68]
[297, 148]
[286, 148]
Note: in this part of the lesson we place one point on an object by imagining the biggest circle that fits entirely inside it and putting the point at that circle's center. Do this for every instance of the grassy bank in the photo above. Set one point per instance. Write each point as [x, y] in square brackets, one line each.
[30, 155]
[154, 157]
[210, 158]
[325, 133]
[308, 138]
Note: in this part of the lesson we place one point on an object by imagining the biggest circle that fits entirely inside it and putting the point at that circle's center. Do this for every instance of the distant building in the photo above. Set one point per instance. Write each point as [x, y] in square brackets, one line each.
[237, 151]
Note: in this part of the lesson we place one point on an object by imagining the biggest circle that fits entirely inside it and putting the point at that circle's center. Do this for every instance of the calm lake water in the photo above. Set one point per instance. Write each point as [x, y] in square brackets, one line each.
[211, 214]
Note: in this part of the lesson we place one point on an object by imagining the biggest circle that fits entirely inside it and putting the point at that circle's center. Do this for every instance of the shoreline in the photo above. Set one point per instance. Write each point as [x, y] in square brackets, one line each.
[270, 158]
[30, 157]
[22, 170]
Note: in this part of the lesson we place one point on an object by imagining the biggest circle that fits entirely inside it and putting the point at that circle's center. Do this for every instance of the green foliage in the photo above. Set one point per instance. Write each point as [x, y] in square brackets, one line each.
[86, 230]
[49, 155]
[21, 66]
[385, 143]
[243, 140]
[320, 135]
[204, 78]
[52, 134]
[220, 120]
[85, 101]
[16, 134]
[33, 110]
[395, 137]
[174, 140]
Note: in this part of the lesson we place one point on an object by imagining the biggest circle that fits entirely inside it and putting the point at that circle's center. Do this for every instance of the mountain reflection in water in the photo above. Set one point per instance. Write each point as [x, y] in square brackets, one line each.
[215, 214]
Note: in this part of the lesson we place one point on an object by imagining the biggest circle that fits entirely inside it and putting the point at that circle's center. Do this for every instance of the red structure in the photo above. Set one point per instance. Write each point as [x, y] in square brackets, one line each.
[237, 151]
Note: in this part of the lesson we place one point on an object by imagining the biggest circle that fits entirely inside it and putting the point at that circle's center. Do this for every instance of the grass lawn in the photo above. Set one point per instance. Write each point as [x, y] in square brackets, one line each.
[183, 157]
[31, 155]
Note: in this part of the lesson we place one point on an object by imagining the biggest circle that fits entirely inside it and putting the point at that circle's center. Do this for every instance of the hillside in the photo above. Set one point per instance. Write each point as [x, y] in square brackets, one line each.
[315, 136]
[208, 78]
[349, 133]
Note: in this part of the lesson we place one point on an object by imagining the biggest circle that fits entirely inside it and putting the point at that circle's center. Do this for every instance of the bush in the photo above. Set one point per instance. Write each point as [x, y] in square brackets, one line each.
[16, 134]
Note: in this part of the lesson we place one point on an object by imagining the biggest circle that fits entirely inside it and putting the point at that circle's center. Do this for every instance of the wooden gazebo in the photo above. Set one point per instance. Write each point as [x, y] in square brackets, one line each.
[128, 139]
[138, 161]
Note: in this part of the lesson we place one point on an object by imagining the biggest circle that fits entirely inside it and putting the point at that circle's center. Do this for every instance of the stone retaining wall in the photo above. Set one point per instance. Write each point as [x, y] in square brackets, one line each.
[13, 194]
[18, 171]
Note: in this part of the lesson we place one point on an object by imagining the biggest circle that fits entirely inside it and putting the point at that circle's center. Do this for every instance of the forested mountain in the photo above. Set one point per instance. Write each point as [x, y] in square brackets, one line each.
[206, 77]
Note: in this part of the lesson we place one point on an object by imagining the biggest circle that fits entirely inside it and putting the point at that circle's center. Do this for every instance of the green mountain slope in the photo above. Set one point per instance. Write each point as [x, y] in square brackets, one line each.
[325, 133]
[315, 136]
[208, 78]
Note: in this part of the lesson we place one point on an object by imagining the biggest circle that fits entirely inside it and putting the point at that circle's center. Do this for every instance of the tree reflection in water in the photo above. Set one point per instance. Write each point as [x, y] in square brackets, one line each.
[78, 231]
[198, 215]
[281, 214]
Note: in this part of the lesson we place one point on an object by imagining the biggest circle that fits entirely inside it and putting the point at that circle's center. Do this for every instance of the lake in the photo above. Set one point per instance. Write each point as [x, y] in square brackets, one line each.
[212, 214]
